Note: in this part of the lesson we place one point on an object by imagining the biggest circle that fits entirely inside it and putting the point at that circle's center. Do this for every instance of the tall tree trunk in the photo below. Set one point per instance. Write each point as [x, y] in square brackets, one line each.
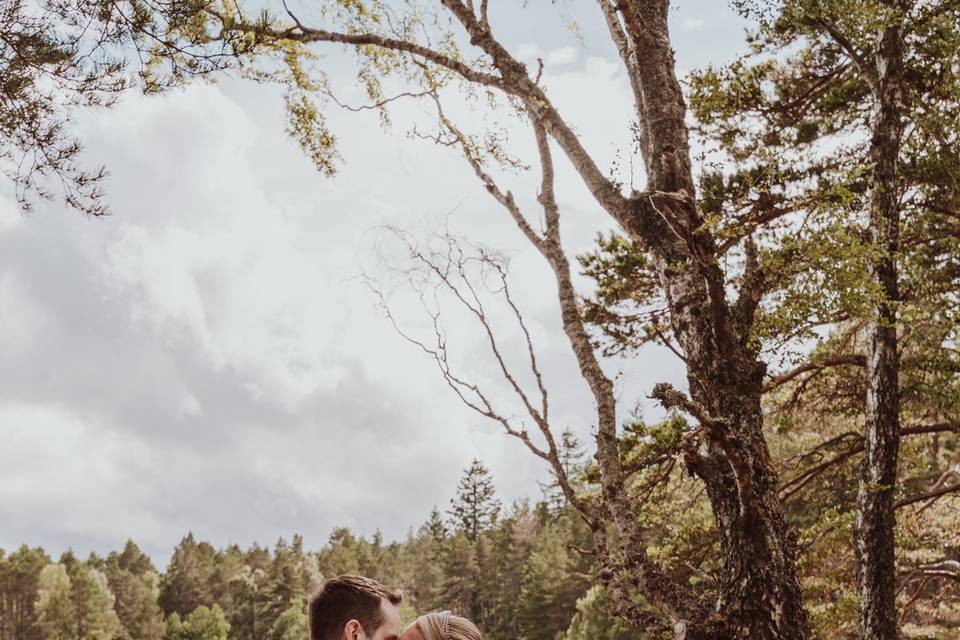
[760, 594]
[875, 515]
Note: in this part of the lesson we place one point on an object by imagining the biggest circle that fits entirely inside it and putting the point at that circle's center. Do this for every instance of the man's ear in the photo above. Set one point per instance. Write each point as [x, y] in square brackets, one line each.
[353, 630]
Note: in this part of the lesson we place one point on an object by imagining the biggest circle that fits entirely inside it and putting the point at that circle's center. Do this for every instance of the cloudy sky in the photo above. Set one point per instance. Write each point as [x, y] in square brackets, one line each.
[208, 358]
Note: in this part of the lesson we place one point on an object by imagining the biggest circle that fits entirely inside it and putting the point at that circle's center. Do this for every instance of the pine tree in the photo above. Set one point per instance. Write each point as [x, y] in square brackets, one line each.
[248, 594]
[341, 555]
[136, 587]
[134, 560]
[500, 582]
[475, 507]
[593, 621]
[186, 584]
[552, 584]
[461, 574]
[877, 83]
[19, 584]
[424, 568]
[435, 526]
[228, 563]
[56, 613]
[287, 583]
[93, 602]
[52, 62]
[203, 623]
[292, 623]
[174, 630]
[571, 460]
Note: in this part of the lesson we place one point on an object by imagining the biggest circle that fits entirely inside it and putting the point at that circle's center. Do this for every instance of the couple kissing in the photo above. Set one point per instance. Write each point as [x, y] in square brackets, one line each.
[359, 608]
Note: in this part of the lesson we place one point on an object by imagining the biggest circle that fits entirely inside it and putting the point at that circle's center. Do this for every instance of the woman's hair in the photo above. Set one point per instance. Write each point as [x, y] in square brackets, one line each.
[443, 625]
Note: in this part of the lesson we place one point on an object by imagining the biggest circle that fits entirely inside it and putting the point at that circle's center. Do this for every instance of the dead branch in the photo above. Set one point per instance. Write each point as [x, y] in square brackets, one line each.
[817, 364]
[949, 482]
[795, 484]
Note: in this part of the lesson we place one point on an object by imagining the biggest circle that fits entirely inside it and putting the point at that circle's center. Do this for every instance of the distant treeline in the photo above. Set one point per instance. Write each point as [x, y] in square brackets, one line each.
[517, 572]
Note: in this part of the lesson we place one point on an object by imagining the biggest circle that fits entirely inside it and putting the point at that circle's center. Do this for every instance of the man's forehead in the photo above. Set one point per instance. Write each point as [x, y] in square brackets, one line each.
[391, 618]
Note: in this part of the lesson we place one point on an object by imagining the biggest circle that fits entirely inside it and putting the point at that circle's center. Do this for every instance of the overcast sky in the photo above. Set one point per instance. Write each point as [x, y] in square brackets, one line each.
[207, 358]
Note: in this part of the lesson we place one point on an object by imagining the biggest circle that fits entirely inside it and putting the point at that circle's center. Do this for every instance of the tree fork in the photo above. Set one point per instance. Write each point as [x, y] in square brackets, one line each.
[760, 595]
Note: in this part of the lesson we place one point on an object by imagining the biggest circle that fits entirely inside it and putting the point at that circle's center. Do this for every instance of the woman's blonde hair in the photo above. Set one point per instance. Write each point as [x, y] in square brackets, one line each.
[443, 625]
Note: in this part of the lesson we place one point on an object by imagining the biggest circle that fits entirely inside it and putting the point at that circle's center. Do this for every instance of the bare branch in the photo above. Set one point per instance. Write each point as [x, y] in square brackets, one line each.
[930, 496]
[627, 55]
[943, 569]
[379, 104]
[940, 488]
[652, 582]
[504, 198]
[816, 364]
[516, 81]
[534, 366]
[794, 485]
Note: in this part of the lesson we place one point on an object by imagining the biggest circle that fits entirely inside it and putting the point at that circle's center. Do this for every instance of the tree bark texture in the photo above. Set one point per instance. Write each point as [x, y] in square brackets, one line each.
[760, 595]
[874, 543]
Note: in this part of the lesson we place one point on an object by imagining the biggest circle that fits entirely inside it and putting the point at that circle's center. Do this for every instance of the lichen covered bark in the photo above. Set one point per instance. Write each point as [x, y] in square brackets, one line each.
[760, 595]
[875, 514]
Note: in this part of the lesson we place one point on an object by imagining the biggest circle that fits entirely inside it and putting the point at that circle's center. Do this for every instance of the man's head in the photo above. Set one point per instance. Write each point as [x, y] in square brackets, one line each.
[354, 608]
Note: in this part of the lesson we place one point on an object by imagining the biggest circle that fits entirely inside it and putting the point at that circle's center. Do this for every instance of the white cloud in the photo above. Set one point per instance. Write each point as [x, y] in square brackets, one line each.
[206, 359]
[528, 52]
[562, 56]
[205, 349]
[10, 216]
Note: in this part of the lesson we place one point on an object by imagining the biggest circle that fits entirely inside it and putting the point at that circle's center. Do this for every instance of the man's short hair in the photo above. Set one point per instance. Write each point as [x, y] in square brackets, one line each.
[347, 598]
